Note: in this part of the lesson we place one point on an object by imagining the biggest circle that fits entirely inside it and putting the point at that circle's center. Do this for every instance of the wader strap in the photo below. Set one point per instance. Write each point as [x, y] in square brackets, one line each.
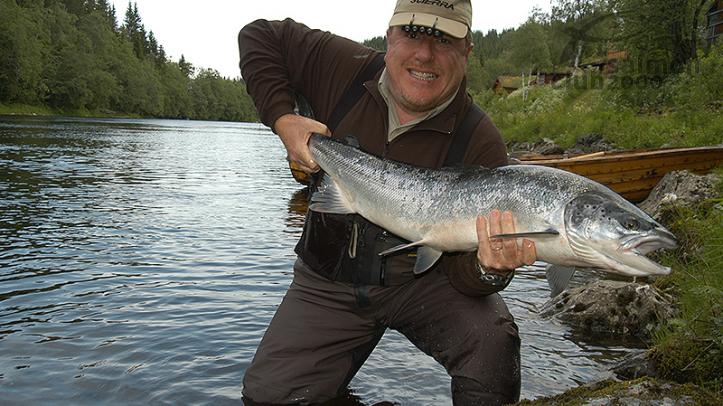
[354, 92]
[462, 135]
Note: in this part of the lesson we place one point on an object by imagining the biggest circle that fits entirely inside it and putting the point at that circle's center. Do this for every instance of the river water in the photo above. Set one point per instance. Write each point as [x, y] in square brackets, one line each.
[141, 260]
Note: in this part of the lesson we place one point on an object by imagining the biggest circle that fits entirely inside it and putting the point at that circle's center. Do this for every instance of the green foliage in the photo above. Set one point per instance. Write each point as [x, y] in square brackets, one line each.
[661, 36]
[700, 85]
[690, 348]
[688, 115]
[528, 48]
[24, 45]
[70, 56]
[378, 43]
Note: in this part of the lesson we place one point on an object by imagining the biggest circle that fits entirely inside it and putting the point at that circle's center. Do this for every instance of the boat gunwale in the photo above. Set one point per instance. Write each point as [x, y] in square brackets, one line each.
[621, 156]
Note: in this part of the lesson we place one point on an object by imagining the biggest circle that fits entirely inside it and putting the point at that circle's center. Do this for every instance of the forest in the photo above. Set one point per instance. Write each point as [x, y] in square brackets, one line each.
[73, 57]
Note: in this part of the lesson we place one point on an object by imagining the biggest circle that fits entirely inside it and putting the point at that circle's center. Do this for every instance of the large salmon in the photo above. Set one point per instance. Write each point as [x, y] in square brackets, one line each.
[573, 220]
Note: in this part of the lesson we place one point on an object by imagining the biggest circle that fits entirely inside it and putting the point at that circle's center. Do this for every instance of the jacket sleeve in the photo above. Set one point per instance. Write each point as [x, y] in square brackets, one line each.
[282, 59]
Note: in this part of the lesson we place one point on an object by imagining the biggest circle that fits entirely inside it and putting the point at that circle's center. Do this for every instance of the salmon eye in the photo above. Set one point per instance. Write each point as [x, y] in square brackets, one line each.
[631, 224]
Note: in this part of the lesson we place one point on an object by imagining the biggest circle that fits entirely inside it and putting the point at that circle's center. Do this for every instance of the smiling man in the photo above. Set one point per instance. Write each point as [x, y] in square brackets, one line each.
[411, 105]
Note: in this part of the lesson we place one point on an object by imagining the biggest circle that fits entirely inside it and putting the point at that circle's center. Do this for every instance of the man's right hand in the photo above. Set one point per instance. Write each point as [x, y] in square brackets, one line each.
[294, 131]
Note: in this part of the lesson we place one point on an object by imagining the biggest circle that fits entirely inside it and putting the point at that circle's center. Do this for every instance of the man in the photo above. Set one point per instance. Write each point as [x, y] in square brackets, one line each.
[343, 296]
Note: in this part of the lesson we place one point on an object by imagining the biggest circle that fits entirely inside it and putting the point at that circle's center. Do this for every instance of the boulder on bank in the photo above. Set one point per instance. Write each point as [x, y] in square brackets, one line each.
[678, 189]
[612, 307]
[636, 365]
[585, 144]
[590, 143]
[545, 146]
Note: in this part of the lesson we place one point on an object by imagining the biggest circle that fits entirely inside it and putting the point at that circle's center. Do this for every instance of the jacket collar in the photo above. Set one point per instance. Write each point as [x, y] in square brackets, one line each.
[445, 122]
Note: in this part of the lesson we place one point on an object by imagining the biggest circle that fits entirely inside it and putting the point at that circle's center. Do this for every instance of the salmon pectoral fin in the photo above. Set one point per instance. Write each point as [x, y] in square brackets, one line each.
[558, 277]
[328, 199]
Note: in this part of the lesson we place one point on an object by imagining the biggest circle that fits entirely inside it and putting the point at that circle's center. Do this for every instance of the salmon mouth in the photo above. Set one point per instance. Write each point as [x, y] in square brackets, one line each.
[643, 244]
[634, 248]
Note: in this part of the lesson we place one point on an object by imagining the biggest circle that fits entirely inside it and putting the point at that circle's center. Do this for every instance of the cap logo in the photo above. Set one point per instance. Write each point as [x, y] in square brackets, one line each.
[434, 3]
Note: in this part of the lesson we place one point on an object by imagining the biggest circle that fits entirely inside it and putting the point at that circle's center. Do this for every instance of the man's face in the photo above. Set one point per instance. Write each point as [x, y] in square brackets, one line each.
[424, 71]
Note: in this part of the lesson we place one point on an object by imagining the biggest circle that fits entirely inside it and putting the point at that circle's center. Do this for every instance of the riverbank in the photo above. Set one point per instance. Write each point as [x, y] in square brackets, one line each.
[30, 110]
[643, 391]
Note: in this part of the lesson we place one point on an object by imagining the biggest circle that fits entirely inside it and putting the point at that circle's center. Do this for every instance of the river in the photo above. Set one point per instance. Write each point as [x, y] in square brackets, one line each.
[141, 261]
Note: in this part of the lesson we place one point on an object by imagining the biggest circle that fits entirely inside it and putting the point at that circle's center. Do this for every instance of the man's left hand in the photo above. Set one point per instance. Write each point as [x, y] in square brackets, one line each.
[502, 255]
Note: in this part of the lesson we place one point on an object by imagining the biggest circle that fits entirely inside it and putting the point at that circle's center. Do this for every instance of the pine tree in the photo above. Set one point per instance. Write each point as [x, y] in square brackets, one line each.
[186, 67]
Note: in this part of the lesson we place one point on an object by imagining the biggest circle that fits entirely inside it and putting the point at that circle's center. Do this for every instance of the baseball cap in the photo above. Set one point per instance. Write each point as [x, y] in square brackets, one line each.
[453, 17]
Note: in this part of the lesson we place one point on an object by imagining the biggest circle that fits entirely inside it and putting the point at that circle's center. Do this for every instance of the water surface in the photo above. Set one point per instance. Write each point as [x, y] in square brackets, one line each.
[141, 261]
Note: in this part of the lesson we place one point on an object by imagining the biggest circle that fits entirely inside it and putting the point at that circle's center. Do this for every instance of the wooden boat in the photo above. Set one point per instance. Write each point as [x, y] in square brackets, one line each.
[632, 174]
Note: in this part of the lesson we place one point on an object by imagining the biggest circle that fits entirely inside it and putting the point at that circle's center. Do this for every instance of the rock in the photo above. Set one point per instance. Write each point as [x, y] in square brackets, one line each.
[547, 147]
[612, 307]
[589, 143]
[635, 365]
[680, 189]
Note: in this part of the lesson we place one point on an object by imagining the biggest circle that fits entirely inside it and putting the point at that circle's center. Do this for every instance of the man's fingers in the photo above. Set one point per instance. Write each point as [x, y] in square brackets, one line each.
[496, 244]
[502, 254]
[484, 249]
[295, 131]
[507, 226]
[528, 252]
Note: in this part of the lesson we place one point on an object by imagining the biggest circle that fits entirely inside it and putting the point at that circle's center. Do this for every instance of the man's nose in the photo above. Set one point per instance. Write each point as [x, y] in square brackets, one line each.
[424, 50]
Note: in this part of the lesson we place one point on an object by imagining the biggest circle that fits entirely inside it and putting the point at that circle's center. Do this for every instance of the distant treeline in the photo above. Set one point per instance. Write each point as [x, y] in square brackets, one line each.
[71, 55]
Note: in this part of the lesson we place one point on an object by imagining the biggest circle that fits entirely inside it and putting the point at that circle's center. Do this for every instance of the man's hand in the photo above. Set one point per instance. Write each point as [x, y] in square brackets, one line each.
[294, 131]
[502, 255]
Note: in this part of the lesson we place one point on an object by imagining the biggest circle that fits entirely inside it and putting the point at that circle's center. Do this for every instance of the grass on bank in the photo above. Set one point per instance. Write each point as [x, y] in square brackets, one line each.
[690, 348]
[684, 110]
[564, 115]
